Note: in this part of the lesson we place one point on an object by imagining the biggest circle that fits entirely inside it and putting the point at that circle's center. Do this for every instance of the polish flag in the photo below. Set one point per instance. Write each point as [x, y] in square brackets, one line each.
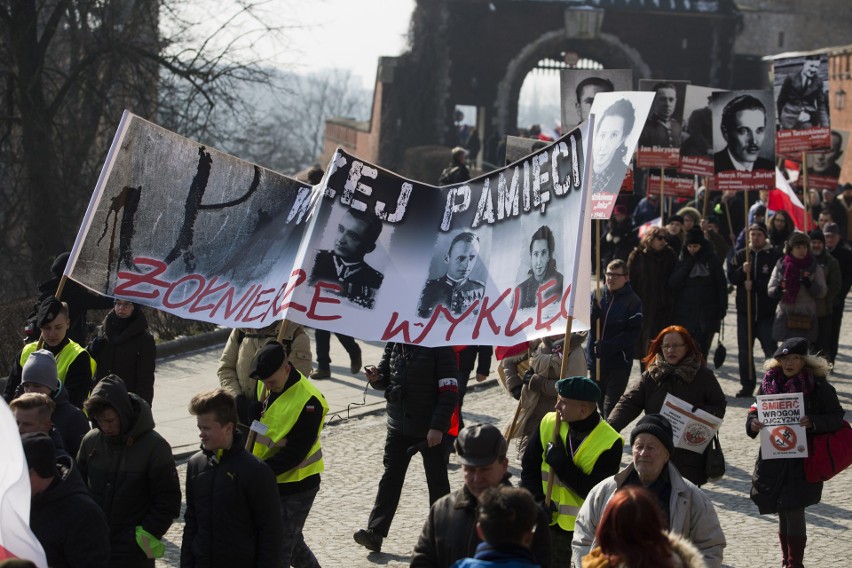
[783, 197]
[657, 222]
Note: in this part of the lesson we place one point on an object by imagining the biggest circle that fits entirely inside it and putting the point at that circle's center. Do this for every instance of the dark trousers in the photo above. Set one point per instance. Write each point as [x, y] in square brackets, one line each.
[560, 546]
[322, 339]
[396, 460]
[294, 511]
[612, 382]
[761, 330]
[836, 320]
[467, 363]
[825, 328]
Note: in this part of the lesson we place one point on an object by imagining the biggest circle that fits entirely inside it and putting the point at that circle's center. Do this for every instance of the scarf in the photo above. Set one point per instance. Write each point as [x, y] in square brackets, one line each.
[776, 382]
[792, 267]
[685, 370]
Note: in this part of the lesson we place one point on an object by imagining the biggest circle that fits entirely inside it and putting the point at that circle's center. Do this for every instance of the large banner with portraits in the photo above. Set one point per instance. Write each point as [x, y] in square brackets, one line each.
[743, 140]
[186, 229]
[801, 97]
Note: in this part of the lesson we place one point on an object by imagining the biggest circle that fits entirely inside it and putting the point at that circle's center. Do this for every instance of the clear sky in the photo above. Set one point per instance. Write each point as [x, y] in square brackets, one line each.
[348, 34]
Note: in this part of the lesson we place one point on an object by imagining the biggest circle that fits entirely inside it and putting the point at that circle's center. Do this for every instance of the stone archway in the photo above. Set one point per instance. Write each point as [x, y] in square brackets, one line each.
[611, 52]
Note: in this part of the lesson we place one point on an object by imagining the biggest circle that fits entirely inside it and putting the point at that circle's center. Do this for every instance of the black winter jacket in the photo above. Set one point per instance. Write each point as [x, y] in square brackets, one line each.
[70, 421]
[763, 262]
[132, 476]
[420, 386]
[780, 484]
[126, 348]
[233, 516]
[69, 525]
[620, 315]
[699, 285]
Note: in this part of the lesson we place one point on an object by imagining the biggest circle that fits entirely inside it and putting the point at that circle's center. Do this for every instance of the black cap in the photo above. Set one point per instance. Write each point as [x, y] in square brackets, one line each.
[695, 236]
[759, 227]
[831, 229]
[40, 453]
[47, 311]
[711, 218]
[658, 426]
[480, 444]
[268, 359]
[792, 346]
[678, 218]
[816, 235]
[760, 210]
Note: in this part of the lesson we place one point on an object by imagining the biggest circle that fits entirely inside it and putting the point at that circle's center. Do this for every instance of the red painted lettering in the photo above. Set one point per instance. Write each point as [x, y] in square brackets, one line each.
[256, 304]
[187, 278]
[301, 276]
[485, 314]
[209, 290]
[318, 298]
[510, 331]
[132, 279]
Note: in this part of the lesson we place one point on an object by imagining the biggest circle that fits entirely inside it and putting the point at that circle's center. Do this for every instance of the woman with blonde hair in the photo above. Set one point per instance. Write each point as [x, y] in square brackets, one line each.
[632, 535]
[779, 485]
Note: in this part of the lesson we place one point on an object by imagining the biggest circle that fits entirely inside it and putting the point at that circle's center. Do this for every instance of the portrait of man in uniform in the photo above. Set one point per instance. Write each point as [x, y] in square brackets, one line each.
[344, 265]
[455, 290]
[663, 127]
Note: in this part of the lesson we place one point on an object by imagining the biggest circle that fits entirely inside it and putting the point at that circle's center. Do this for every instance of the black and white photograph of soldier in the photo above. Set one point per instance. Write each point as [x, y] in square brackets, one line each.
[743, 131]
[456, 289]
[801, 91]
[542, 269]
[697, 132]
[613, 127]
[353, 236]
[579, 87]
[665, 122]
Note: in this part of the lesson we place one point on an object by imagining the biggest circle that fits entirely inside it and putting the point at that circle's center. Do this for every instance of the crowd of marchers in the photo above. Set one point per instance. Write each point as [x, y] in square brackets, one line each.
[105, 487]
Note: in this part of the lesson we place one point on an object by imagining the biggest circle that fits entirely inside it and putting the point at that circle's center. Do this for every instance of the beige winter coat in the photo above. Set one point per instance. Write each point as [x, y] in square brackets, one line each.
[235, 361]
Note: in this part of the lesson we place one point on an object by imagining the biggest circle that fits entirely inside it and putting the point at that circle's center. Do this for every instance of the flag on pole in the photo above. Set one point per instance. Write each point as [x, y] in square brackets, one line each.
[783, 197]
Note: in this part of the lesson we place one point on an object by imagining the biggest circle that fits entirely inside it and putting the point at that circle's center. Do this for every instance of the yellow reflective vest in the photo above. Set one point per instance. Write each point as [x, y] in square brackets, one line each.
[280, 417]
[597, 442]
[64, 358]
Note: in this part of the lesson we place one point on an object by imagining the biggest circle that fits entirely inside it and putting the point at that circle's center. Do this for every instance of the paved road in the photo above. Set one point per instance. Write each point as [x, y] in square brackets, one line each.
[353, 454]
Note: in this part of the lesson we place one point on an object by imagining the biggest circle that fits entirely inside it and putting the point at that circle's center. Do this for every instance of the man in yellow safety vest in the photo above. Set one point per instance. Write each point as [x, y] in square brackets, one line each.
[288, 440]
[586, 451]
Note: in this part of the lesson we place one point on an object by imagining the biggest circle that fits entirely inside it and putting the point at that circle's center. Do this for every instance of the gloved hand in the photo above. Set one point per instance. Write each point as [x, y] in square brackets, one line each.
[555, 455]
[806, 280]
[528, 376]
[596, 349]
[254, 410]
[549, 510]
[516, 392]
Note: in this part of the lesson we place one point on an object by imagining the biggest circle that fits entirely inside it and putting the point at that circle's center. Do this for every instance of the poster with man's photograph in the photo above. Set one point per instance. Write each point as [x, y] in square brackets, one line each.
[579, 87]
[801, 99]
[824, 166]
[696, 148]
[743, 140]
[619, 118]
[662, 134]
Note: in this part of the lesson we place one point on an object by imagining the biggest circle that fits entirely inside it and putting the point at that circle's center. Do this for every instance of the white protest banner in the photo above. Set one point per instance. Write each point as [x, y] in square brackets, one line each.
[692, 429]
[497, 260]
[782, 436]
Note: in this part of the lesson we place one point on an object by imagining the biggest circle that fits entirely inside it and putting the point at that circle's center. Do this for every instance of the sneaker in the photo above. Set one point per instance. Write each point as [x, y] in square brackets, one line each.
[355, 364]
[744, 393]
[369, 539]
[321, 374]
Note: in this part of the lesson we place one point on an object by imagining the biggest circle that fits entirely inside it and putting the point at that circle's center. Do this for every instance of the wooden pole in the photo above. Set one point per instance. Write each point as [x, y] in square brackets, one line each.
[598, 298]
[730, 225]
[750, 349]
[806, 195]
[662, 198]
[566, 346]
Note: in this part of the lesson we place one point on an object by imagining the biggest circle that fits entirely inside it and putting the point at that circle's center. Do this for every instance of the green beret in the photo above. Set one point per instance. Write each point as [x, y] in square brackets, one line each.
[578, 388]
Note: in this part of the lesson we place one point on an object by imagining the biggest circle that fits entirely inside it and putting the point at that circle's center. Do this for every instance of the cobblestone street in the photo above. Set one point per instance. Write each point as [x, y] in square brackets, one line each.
[353, 458]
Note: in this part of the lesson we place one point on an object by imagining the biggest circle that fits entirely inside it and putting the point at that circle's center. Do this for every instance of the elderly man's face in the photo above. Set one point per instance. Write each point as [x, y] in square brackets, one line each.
[478, 479]
[747, 138]
[665, 102]
[649, 457]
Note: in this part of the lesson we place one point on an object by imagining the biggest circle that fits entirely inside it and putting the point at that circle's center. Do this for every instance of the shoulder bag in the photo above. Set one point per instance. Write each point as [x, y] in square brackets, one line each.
[828, 454]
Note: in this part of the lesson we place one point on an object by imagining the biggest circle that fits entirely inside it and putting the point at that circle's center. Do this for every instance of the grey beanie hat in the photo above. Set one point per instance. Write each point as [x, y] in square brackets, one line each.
[40, 368]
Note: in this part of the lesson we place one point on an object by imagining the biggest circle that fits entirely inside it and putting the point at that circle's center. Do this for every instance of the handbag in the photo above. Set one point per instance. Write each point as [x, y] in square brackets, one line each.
[714, 463]
[795, 321]
[828, 454]
[720, 353]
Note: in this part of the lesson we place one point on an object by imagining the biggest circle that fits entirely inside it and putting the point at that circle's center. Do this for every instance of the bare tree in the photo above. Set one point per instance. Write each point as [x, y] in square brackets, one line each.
[69, 68]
